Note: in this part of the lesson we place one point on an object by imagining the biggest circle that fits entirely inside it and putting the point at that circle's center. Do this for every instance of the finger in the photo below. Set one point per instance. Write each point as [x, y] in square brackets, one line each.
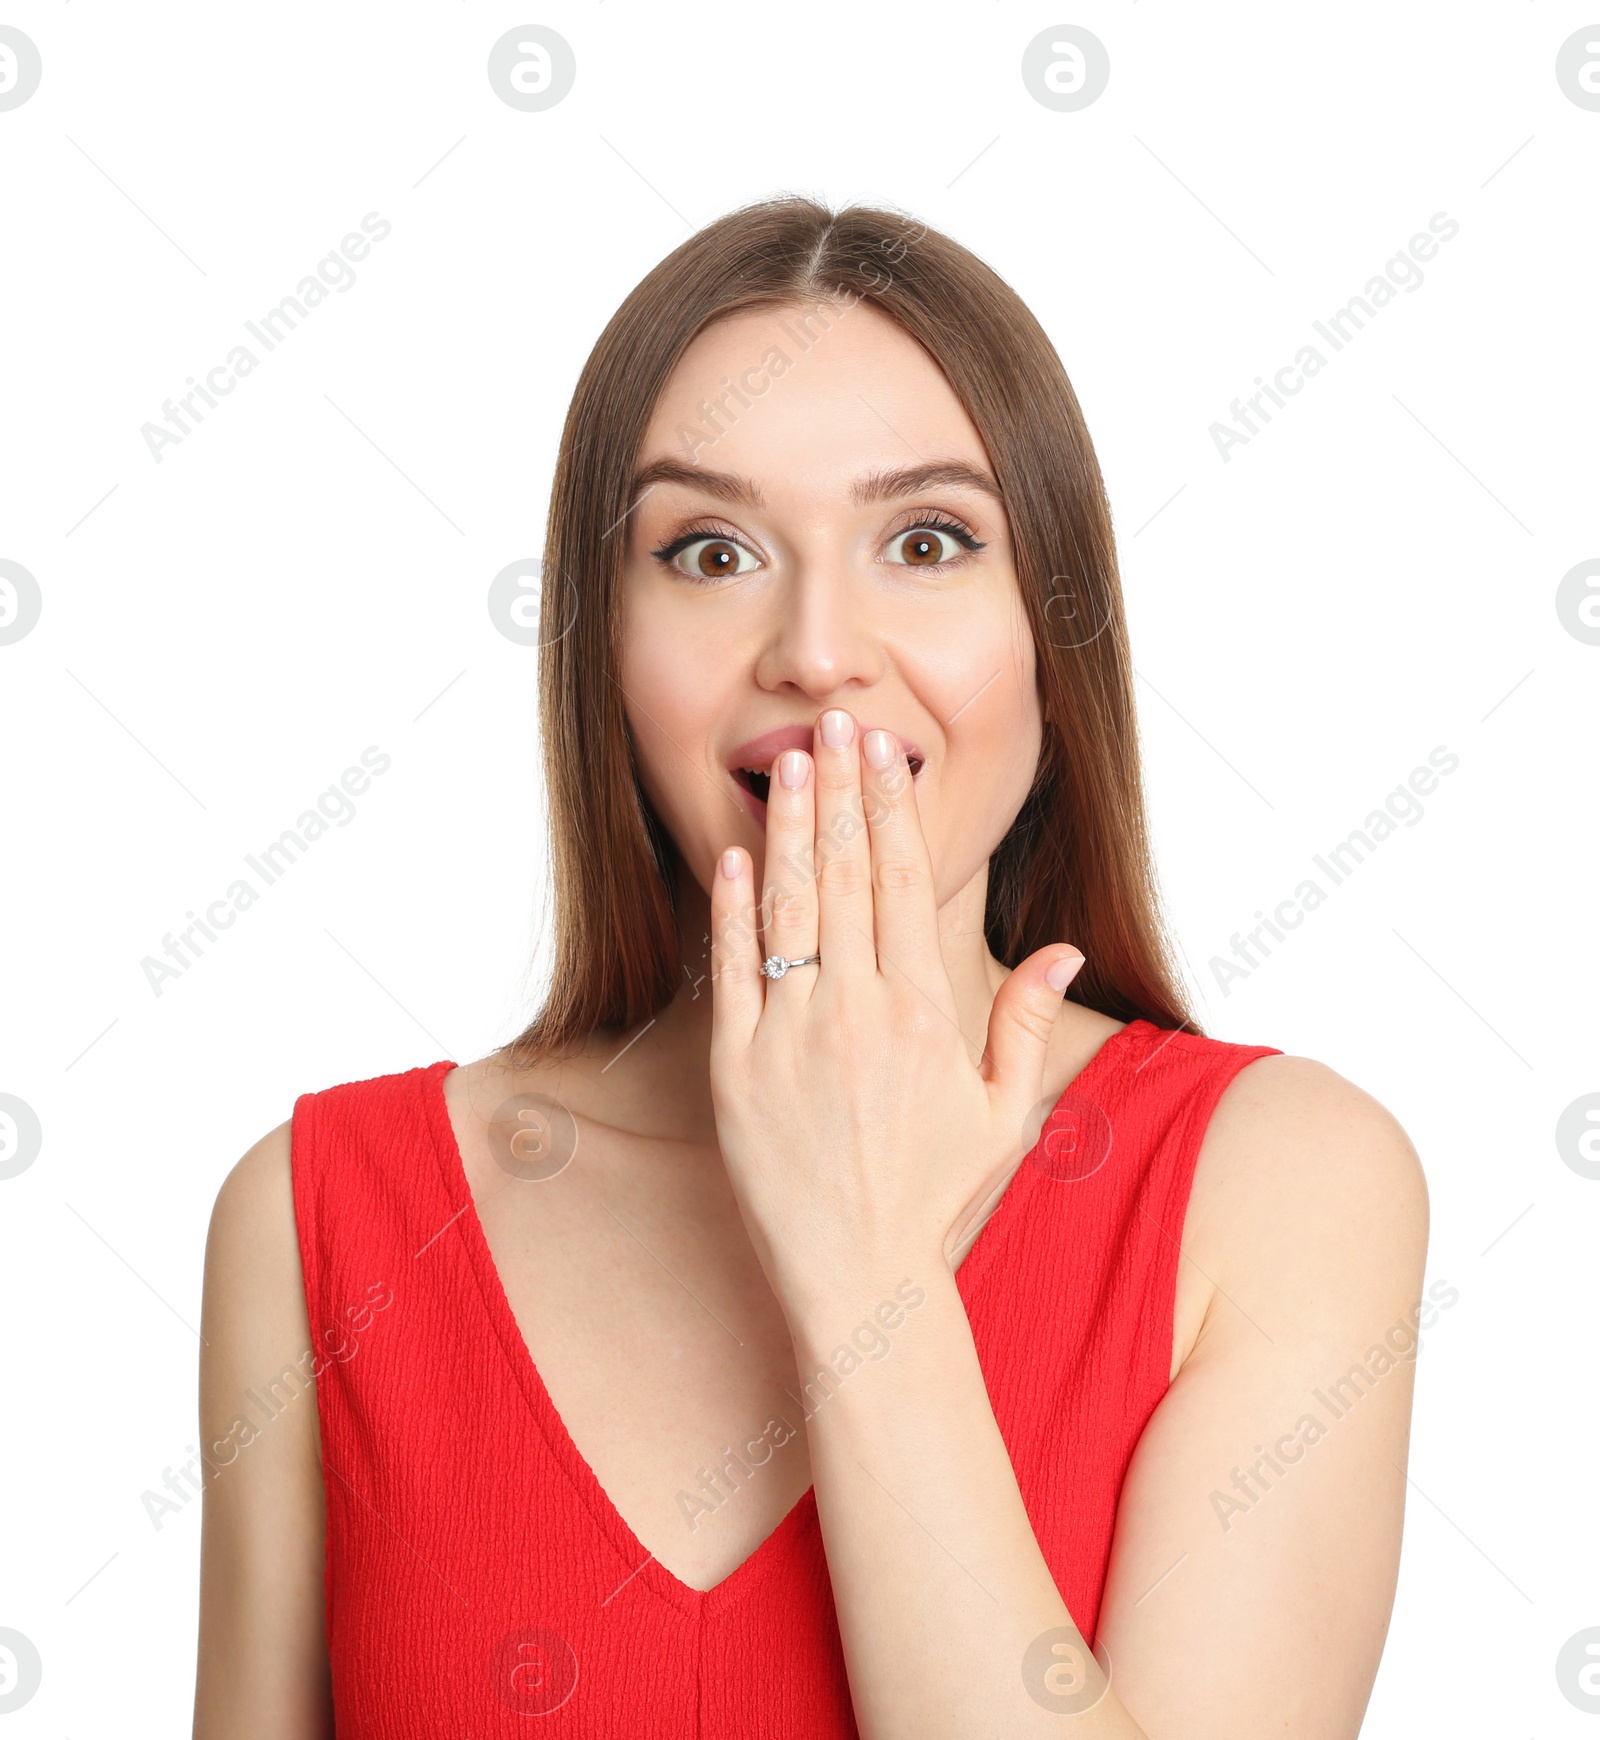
[736, 982]
[905, 913]
[789, 896]
[844, 858]
[1021, 1021]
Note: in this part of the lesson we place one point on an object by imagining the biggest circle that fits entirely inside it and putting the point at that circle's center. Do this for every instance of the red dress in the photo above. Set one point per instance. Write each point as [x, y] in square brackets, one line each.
[477, 1574]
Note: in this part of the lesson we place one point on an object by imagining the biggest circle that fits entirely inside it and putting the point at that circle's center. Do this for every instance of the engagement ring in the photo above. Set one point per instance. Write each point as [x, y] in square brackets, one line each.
[775, 966]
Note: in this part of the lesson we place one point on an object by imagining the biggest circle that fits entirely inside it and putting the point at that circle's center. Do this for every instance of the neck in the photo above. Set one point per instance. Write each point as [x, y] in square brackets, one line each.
[672, 1065]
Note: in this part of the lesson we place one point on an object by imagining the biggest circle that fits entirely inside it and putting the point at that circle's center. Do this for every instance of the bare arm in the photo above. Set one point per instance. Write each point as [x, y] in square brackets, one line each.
[263, 1668]
[1310, 1216]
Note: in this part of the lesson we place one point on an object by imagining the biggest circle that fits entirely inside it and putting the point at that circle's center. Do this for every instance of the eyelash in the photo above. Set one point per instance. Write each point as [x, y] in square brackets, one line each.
[933, 521]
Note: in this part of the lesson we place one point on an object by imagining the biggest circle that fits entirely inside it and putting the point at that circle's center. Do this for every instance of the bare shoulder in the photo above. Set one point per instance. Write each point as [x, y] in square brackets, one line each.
[254, 1308]
[262, 1665]
[252, 1235]
[1308, 1196]
[262, 1176]
[1291, 1133]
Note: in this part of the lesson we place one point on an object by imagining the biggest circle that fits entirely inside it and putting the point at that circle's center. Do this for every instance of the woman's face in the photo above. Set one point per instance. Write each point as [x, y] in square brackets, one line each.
[819, 527]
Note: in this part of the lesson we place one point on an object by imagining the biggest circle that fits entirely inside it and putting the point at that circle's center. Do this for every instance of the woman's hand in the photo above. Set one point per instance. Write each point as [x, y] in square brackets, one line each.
[861, 1140]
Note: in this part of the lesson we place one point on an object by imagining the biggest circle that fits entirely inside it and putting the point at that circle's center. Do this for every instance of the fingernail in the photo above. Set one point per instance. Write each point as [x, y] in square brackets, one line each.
[837, 727]
[793, 766]
[1059, 974]
[880, 748]
[730, 863]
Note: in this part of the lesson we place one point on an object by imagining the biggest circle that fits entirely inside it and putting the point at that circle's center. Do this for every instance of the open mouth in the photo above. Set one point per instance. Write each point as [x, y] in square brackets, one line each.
[759, 783]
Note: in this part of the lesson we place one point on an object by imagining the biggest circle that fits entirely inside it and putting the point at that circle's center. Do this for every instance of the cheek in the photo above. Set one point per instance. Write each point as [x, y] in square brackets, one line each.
[672, 700]
[989, 695]
[989, 687]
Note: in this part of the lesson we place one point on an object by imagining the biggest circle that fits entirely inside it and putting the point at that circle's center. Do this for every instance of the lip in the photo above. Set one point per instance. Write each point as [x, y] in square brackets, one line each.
[759, 753]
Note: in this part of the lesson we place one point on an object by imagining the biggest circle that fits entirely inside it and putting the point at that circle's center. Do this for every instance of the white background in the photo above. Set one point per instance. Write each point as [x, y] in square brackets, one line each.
[1372, 576]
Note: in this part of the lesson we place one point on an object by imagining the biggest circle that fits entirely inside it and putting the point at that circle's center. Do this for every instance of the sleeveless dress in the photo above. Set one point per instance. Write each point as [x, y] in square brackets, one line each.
[477, 1575]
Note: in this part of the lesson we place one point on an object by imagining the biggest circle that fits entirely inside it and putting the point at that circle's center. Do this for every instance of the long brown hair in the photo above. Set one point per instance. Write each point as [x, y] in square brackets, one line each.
[1075, 865]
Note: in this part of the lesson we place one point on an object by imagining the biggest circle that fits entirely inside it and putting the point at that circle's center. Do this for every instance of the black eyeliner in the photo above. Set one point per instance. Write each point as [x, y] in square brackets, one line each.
[676, 546]
[956, 530]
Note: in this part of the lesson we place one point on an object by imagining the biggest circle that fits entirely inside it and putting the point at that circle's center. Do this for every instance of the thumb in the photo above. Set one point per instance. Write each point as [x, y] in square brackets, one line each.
[1023, 1018]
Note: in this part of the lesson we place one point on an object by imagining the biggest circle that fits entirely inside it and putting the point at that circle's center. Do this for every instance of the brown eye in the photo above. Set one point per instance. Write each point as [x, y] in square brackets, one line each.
[924, 547]
[714, 558]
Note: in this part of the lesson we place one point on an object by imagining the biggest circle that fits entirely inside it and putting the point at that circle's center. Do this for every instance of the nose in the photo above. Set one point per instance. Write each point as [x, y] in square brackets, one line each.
[823, 637]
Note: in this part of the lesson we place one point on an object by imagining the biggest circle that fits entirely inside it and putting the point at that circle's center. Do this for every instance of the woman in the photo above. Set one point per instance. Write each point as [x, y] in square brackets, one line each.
[816, 1323]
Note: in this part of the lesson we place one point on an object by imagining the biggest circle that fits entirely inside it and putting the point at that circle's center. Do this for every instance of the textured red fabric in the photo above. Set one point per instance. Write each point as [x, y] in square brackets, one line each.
[477, 1575]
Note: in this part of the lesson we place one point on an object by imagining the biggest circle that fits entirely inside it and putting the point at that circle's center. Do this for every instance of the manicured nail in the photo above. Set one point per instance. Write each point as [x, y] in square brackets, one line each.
[880, 749]
[793, 766]
[730, 863]
[1060, 974]
[838, 728]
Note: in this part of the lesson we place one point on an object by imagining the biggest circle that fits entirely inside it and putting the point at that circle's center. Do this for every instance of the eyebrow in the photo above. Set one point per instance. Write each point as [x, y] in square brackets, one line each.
[871, 486]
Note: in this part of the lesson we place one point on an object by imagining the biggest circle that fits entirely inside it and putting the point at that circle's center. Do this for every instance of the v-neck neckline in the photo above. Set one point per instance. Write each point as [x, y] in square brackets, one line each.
[646, 1567]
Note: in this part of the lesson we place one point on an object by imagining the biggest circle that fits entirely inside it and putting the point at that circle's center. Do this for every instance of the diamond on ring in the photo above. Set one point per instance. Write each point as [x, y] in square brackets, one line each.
[775, 966]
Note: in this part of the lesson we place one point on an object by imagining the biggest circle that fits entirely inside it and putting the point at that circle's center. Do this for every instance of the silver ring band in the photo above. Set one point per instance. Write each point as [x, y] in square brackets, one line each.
[775, 966]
